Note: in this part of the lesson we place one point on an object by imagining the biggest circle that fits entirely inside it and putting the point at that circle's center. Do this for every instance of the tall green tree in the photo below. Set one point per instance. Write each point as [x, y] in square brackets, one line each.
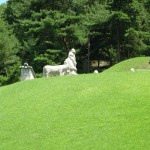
[8, 50]
[128, 27]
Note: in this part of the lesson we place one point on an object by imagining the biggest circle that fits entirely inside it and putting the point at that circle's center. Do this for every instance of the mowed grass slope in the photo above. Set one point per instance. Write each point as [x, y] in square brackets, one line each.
[138, 63]
[107, 111]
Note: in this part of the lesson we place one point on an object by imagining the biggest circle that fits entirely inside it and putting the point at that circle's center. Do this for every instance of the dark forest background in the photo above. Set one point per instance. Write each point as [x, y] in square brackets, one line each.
[42, 32]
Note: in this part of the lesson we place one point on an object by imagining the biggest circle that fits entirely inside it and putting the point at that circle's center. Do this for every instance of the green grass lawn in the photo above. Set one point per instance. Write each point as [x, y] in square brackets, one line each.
[139, 63]
[107, 111]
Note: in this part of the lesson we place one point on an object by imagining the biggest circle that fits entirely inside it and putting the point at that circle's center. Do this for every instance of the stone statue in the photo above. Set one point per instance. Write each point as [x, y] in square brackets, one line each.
[71, 61]
[68, 68]
[27, 72]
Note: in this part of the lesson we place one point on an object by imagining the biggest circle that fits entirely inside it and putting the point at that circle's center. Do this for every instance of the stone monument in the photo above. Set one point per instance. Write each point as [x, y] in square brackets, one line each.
[71, 62]
[68, 68]
[27, 72]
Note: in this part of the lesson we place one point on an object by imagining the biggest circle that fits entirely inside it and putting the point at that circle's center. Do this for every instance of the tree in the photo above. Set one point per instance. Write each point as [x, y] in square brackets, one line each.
[8, 51]
[129, 21]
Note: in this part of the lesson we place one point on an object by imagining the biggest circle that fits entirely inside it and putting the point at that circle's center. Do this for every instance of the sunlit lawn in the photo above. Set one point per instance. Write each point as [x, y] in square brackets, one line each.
[107, 111]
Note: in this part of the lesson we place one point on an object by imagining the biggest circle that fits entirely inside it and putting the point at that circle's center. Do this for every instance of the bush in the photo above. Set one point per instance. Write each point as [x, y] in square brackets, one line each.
[39, 63]
[13, 74]
[3, 80]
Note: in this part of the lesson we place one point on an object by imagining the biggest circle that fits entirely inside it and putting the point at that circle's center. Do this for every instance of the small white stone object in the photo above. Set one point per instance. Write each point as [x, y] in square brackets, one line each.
[132, 69]
[96, 71]
[27, 72]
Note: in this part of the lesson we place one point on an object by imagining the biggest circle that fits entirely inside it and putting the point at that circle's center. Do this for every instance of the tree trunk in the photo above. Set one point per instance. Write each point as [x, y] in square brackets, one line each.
[88, 56]
[98, 63]
[65, 44]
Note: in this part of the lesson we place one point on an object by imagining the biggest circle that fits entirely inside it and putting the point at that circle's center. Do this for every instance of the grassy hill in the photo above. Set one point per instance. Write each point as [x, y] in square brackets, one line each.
[139, 64]
[107, 111]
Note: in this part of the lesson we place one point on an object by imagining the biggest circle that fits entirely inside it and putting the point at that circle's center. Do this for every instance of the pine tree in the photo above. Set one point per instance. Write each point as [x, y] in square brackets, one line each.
[128, 23]
[8, 51]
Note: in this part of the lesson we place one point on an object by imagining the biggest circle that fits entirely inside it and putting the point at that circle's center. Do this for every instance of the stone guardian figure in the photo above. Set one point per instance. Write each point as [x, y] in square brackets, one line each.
[71, 62]
[68, 68]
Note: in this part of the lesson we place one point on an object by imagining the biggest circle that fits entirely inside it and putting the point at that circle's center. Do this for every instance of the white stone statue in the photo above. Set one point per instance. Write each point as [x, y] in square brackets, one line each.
[60, 70]
[68, 68]
[71, 61]
[27, 72]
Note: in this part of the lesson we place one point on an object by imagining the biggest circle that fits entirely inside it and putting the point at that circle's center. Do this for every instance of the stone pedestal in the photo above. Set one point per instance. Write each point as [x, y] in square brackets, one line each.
[27, 73]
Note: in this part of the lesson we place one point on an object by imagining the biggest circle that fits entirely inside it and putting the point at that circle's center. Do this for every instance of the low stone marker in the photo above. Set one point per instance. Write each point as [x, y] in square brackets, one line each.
[96, 71]
[132, 69]
[27, 72]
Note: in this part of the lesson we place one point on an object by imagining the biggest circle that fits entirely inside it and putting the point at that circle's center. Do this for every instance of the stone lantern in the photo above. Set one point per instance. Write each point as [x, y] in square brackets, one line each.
[27, 72]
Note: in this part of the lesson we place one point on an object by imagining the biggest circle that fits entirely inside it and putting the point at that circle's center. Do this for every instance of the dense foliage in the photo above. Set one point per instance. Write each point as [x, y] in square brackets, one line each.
[110, 30]
[9, 61]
